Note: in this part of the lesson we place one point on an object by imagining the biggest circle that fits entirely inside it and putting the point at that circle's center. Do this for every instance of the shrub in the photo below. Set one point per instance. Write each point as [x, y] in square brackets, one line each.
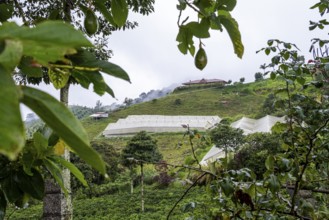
[254, 153]
[177, 102]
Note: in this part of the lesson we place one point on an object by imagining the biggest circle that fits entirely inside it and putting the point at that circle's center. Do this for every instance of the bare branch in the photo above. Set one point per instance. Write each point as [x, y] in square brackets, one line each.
[194, 8]
[182, 197]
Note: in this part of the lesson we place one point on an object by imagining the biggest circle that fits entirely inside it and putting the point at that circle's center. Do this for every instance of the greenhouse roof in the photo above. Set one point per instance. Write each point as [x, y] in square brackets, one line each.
[159, 123]
[249, 126]
[264, 124]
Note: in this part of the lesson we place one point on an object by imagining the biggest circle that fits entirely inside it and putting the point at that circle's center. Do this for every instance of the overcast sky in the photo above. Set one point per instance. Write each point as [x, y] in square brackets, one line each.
[150, 56]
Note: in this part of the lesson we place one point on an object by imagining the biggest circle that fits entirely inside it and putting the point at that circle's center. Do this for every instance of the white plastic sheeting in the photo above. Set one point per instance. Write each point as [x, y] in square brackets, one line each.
[213, 154]
[264, 124]
[249, 126]
[158, 123]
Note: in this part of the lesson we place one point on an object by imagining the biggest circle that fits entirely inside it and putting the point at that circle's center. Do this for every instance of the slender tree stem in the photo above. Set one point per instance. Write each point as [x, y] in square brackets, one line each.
[185, 193]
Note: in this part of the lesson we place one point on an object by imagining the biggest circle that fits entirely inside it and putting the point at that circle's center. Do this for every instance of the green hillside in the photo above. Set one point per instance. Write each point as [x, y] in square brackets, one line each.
[233, 101]
[106, 201]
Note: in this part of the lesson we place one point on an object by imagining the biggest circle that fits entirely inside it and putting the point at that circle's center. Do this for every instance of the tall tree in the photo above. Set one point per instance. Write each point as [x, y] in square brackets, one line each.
[227, 138]
[139, 150]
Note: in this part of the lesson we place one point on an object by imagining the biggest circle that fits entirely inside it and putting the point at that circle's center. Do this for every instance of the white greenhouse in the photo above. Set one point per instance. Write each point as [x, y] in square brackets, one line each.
[249, 126]
[159, 123]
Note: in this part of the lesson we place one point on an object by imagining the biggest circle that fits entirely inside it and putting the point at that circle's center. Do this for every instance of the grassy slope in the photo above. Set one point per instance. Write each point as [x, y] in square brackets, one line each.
[230, 101]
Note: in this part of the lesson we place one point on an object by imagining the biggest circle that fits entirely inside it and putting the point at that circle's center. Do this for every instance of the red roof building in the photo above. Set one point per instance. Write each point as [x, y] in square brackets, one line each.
[205, 81]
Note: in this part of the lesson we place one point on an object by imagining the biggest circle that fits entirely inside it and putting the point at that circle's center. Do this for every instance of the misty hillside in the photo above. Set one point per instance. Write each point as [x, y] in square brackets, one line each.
[231, 101]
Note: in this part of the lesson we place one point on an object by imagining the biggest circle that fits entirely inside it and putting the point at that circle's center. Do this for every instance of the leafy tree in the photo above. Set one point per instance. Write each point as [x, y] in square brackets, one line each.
[92, 176]
[98, 106]
[254, 152]
[46, 53]
[227, 138]
[41, 51]
[302, 166]
[139, 150]
[128, 101]
[259, 76]
[242, 79]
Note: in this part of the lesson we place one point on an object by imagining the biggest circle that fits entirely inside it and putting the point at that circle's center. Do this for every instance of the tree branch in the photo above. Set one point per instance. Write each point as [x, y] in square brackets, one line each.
[194, 8]
[75, 67]
[192, 146]
[186, 191]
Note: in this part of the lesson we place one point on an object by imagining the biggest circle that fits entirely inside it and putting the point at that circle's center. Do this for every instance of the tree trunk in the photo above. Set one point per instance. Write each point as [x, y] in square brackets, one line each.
[131, 185]
[142, 186]
[131, 181]
[57, 206]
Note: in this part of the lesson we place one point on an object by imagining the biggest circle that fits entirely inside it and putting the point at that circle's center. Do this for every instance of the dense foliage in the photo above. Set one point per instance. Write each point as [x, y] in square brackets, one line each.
[253, 153]
[227, 138]
[141, 148]
[295, 183]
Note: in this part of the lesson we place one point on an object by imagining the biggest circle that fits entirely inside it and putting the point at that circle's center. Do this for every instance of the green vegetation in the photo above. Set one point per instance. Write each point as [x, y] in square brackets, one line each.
[293, 186]
[229, 101]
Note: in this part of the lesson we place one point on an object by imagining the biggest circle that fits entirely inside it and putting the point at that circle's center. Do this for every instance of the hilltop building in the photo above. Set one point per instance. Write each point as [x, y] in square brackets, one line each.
[99, 115]
[205, 81]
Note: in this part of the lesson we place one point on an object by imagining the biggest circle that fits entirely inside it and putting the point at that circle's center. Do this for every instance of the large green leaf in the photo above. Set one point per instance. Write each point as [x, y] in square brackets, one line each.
[273, 183]
[10, 188]
[227, 186]
[64, 124]
[73, 169]
[12, 135]
[11, 54]
[269, 163]
[87, 59]
[119, 11]
[33, 185]
[58, 77]
[199, 30]
[100, 5]
[48, 42]
[40, 144]
[185, 39]
[232, 28]
[85, 78]
[28, 67]
[56, 173]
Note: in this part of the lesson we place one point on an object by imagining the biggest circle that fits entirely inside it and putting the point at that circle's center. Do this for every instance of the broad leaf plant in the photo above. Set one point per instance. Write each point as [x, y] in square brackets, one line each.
[42, 47]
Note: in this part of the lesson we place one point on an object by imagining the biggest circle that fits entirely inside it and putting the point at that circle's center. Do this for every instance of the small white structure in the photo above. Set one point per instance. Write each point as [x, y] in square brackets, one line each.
[249, 126]
[99, 115]
[159, 123]
[213, 154]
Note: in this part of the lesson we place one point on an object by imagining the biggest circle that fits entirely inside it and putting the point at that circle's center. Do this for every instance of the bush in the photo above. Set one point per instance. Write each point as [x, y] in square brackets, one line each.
[177, 102]
[109, 155]
[254, 153]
